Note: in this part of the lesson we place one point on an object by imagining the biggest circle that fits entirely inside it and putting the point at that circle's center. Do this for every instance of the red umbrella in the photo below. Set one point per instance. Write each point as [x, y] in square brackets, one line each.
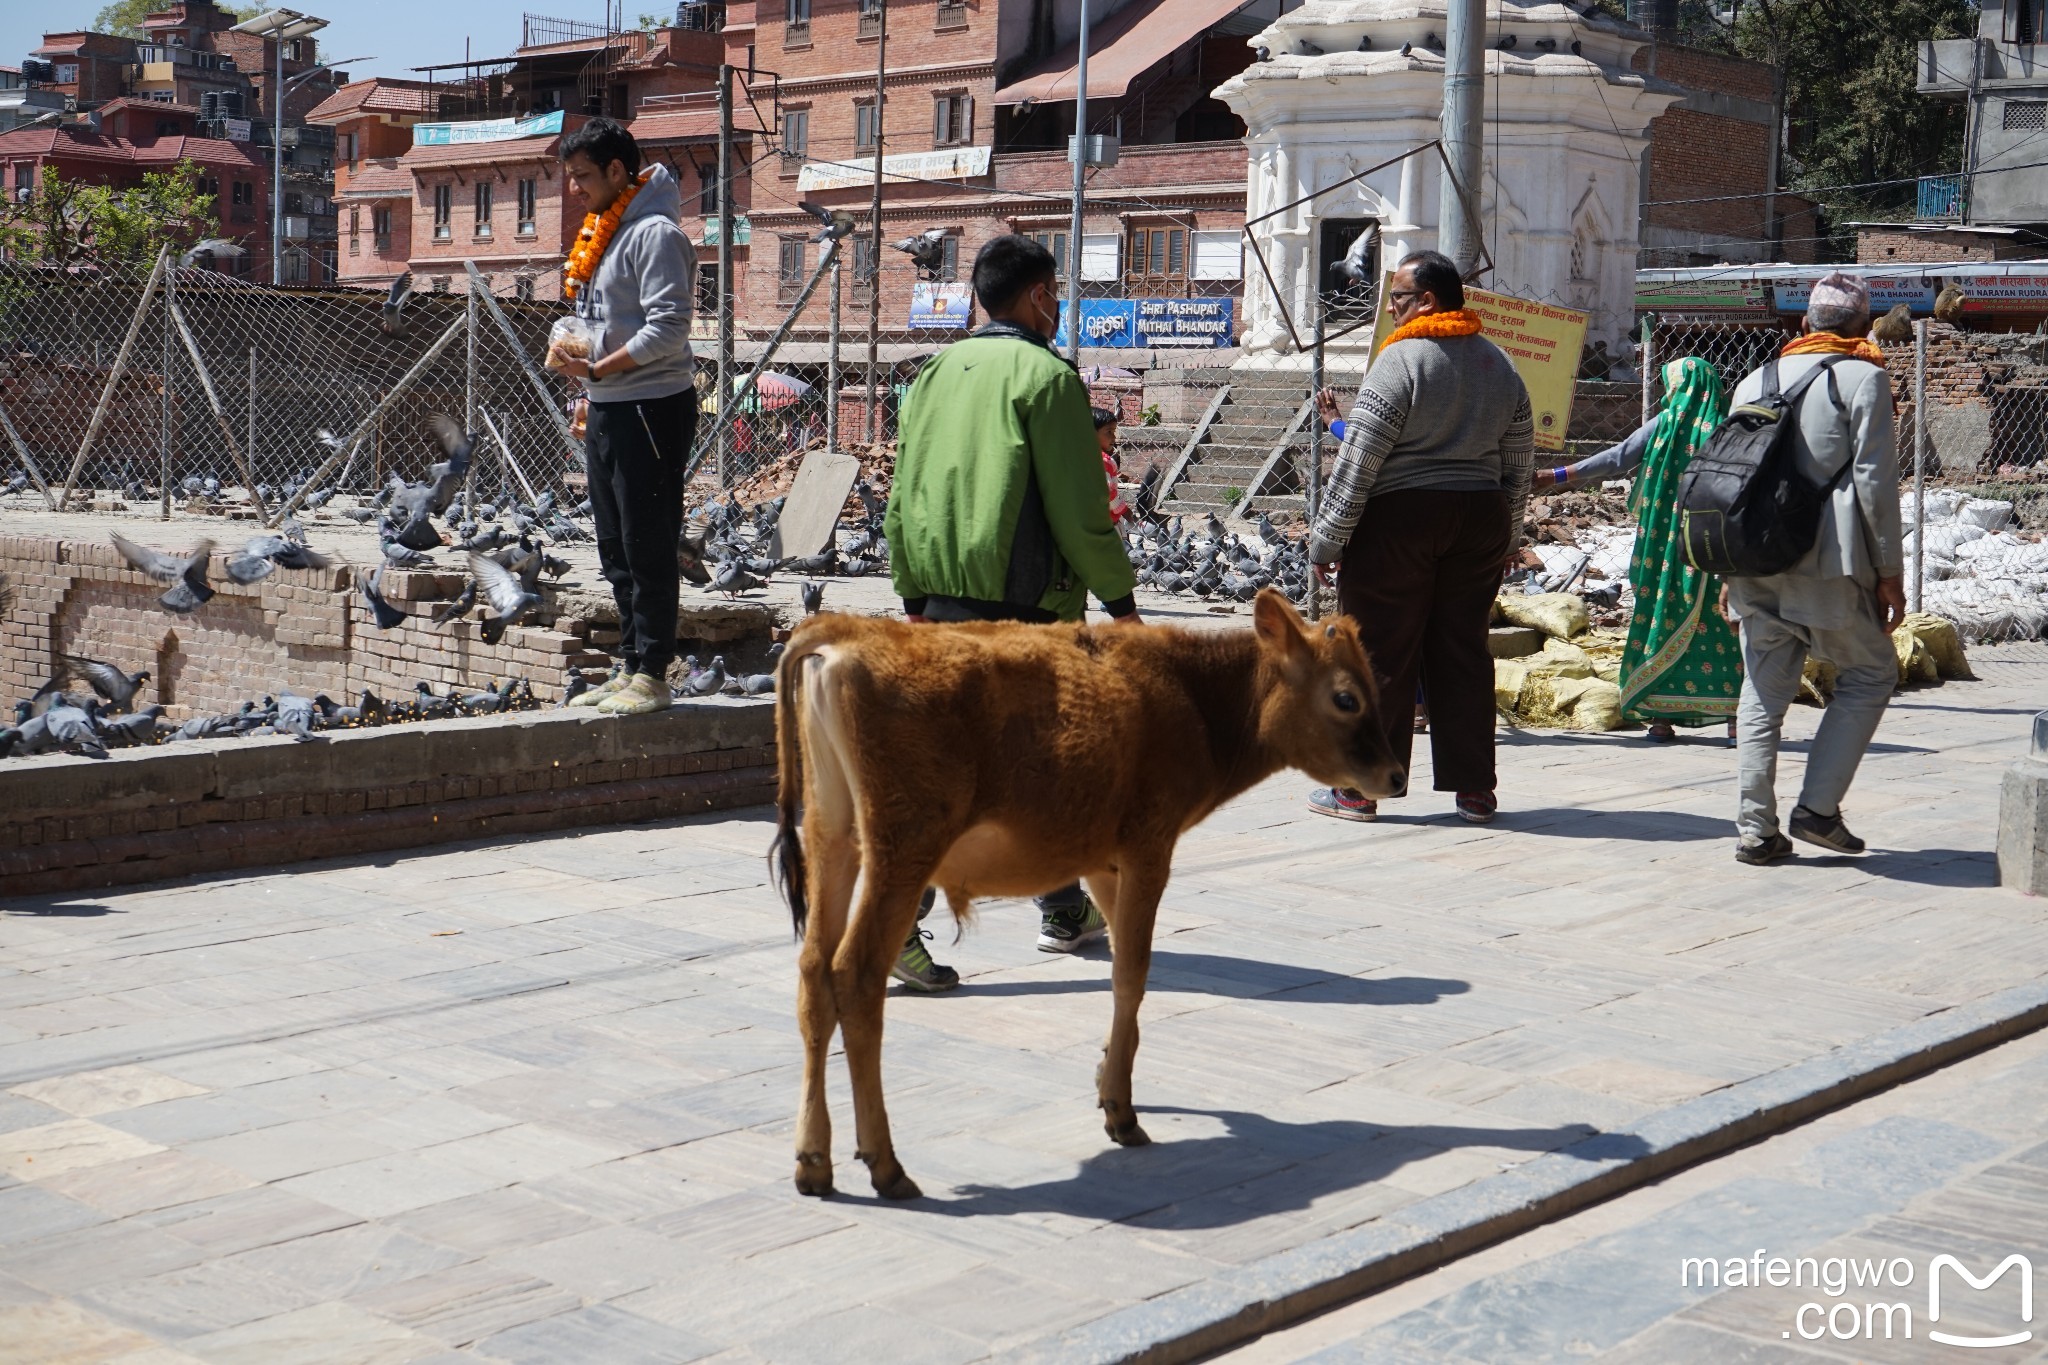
[776, 390]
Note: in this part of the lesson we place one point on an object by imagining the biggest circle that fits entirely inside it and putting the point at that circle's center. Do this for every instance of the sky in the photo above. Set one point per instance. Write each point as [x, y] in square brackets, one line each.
[398, 34]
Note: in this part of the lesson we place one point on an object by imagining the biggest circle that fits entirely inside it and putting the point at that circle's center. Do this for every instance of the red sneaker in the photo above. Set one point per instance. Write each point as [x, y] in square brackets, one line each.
[1478, 807]
[1342, 804]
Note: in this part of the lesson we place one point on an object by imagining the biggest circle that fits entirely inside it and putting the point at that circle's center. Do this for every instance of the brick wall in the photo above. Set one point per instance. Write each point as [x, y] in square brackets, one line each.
[308, 630]
[1882, 246]
[210, 805]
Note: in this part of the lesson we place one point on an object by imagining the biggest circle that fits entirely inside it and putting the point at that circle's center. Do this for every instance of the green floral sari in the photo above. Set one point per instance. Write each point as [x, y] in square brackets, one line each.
[1682, 665]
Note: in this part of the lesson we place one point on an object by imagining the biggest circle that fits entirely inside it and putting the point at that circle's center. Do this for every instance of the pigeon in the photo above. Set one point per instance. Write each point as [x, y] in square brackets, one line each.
[294, 716]
[823, 563]
[710, 682]
[1356, 267]
[401, 556]
[430, 707]
[751, 685]
[18, 482]
[732, 578]
[187, 576]
[220, 248]
[116, 687]
[385, 615]
[203, 727]
[140, 728]
[813, 595]
[578, 685]
[927, 249]
[463, 601]
[265, 555]
[71, 728]
[394, 321]
[509, 598]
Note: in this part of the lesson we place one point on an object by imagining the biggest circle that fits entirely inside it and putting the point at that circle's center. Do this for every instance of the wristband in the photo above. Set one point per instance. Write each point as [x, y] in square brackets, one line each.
[1560, 475]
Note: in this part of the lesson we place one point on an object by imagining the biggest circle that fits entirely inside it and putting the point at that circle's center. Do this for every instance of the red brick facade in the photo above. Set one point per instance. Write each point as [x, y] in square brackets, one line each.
[1884, 245]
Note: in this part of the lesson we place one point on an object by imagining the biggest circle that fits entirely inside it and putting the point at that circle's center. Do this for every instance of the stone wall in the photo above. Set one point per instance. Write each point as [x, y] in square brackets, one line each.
[307, 630]
[211, 805]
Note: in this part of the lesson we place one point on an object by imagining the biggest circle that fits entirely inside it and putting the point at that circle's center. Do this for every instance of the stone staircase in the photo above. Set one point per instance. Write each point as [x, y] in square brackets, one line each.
[1233, 452]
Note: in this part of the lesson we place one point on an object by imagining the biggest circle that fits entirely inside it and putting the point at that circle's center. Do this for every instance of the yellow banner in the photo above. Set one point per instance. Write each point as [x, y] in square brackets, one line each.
[1545, 342]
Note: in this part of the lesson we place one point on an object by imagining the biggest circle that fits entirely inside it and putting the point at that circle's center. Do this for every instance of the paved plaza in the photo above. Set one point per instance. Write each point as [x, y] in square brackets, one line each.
[532, 1101]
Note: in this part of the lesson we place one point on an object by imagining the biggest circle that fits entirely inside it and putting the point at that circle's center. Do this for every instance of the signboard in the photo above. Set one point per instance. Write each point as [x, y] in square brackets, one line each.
[940, 305]
[946, 163]
[1152, 322]
[2003, 293]
[237, 129]
[1702, 296]
[742, 230]
[1545, 342]
[1916, 293]
[486, 130]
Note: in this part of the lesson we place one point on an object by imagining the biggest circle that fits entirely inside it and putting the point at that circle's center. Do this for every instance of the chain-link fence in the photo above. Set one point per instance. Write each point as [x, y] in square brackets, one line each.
[189, 382]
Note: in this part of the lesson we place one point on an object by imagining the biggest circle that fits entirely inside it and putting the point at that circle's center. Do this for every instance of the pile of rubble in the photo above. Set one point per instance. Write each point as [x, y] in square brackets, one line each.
[775, 478]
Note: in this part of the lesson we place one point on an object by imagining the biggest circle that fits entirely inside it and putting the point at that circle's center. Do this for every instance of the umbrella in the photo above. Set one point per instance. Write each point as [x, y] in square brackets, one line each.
[1095, 373]
[775, 390]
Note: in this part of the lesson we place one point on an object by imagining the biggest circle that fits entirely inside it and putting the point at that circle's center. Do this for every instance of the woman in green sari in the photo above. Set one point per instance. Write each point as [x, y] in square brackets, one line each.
[1682, 665]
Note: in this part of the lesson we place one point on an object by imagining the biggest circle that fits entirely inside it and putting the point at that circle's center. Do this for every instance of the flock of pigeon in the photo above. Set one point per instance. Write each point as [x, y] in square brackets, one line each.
[1209, 561]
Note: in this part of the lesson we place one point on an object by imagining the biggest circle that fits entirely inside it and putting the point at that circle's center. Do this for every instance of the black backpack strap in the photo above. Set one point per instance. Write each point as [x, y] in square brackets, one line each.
[1771, 390]
[1797, 391]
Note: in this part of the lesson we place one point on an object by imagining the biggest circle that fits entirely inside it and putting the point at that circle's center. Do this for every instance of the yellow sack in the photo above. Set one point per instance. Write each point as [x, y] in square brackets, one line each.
[1560, 660]
[1585, 704]
[1510, 677]
[1560, 615]
[1934, 640]
[1817, 686]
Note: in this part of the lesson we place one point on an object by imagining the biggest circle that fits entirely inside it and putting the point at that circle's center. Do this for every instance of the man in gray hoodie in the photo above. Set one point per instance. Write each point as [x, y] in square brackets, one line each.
[643, 401]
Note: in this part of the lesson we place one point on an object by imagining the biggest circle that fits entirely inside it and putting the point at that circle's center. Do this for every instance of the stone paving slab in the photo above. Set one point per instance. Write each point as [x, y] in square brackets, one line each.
[533, 1100]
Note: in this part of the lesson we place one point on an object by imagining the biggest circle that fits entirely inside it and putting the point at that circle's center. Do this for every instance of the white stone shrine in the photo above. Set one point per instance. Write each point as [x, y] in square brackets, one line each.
[1346, 84]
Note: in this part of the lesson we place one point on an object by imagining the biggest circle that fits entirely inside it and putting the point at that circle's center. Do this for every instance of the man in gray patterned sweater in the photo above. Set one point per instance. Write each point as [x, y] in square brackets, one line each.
[1421, 515]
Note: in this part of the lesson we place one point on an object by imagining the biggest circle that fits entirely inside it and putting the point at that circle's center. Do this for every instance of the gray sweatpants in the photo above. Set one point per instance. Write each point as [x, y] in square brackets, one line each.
[1774, 654]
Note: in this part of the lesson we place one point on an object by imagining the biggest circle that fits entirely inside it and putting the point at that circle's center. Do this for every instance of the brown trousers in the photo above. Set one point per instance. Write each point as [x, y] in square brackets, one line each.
[1419, 577]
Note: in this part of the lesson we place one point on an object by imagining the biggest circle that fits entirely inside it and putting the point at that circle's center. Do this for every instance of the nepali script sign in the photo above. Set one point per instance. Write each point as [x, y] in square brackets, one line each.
[486, 130]
[946, 163]
[1152, 322]
[1545, 342]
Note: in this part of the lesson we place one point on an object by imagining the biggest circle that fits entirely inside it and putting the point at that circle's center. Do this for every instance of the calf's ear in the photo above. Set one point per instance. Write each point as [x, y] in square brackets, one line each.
[1281, 634]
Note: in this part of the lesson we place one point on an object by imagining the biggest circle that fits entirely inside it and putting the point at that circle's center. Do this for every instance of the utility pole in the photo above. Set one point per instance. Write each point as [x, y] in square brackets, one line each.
[873, 403]
[1463, 130]
[725, 299]
[1080, 189]
[833, 378]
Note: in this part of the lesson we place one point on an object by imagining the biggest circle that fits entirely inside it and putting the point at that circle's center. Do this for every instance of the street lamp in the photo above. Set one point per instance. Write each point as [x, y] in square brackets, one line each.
[280, 26]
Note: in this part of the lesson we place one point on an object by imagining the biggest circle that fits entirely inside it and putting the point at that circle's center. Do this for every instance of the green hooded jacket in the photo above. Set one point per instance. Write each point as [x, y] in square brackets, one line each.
[999, 498]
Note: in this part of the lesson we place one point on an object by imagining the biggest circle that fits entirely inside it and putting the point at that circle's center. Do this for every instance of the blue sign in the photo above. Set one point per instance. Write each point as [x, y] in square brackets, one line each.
[1152, 322]
[940, 305]
[1885, 294]
[486, 130]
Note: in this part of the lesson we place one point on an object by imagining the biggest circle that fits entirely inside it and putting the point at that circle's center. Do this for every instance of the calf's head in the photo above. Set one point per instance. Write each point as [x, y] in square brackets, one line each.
[1321, 714]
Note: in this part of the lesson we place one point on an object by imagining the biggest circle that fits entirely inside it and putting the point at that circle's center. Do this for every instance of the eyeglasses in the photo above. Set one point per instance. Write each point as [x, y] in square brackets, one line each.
[1406, 293]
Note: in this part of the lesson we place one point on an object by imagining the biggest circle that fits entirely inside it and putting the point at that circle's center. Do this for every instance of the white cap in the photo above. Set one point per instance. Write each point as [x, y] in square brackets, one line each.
[1840, 291]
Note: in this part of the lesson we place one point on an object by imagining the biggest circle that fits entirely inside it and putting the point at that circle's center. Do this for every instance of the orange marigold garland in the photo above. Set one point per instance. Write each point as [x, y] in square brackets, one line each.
[595, 236]
[1461, 322]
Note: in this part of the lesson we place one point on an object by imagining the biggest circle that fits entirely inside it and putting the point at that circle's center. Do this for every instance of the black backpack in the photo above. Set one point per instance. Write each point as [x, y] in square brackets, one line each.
[1745, 510]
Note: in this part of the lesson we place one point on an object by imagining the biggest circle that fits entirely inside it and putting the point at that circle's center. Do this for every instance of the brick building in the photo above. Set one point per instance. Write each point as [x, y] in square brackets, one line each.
[1707, 181]
[135, 138]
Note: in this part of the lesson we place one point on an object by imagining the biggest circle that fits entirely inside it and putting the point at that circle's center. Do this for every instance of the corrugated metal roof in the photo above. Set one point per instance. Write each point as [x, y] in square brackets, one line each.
[689, 124]
[481, 153]
[1120, 49]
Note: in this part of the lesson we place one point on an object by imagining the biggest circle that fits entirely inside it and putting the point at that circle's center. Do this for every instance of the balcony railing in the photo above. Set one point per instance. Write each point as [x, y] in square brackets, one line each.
[870, 22]
[1941, 196]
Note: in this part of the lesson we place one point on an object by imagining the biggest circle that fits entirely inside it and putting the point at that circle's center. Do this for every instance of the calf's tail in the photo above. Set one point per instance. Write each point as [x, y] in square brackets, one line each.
[786, 854]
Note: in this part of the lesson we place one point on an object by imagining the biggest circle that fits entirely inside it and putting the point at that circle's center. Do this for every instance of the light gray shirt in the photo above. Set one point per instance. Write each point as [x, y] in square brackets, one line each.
[641, 297]
[1434, 412]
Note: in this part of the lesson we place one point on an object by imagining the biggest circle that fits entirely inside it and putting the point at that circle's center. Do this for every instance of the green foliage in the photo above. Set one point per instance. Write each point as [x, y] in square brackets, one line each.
[1852, 113]
[124, 17]
[1151, 416]
[70, 222]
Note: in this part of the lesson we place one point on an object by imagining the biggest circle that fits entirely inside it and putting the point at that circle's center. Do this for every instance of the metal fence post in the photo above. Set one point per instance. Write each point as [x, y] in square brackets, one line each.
[1312, 484]
[164, 434]
[1919, 461]
[469, 379]
[1647, 361]
[832, 374]
[250, 444]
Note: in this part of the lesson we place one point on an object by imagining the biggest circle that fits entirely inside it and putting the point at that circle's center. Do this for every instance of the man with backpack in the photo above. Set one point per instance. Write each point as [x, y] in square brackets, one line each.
[1843, 595]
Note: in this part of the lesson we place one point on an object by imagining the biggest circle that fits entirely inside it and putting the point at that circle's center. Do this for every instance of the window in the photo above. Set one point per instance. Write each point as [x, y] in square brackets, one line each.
[789, 272]
[483, 209]
[529, 190]
[2025, 116]
[796, 30]
[244, 192]
[707, 290]
[24, 181]
[864, 125]
[380, 230]
[796, 139]
[355, 230]
[295, 262]
[522, 285]
[210, 185]
[707, 189]
[444, 212]
[1158, 254]
[870, 25]
[439, 283]
[952, 119]
[67, 73]
[345, 147]
[1056, 243]
[2026, 21]
[1219, 254]
[951, 14]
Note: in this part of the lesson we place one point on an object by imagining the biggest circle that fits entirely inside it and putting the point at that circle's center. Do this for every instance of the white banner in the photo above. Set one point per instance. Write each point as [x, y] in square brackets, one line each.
[947, 163]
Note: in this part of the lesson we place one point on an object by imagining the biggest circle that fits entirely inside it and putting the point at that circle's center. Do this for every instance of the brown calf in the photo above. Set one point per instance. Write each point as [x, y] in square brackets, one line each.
[1007, 760]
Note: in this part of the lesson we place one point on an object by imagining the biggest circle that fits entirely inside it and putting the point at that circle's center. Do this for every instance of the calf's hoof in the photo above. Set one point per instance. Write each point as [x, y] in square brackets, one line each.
[1127, 1134]
[892, 1183]
[813, 1174]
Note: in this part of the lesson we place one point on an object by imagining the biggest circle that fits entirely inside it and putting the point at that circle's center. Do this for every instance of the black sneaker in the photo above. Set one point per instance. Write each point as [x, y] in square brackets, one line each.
[1826, 830]
[916, 970]
[1763, 852]
[1063, 931]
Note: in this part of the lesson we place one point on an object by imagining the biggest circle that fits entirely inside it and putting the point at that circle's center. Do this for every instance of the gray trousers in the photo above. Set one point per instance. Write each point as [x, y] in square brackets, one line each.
[1774, 654]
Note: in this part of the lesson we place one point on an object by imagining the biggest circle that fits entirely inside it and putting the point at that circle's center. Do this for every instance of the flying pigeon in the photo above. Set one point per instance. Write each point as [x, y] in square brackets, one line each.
[394, 320]
[187, 576]
[104, 678]
[385, 615]
[509, 598]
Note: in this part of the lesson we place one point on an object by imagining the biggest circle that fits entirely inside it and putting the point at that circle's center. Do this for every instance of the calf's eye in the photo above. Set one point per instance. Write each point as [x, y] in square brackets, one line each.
[1345, 701]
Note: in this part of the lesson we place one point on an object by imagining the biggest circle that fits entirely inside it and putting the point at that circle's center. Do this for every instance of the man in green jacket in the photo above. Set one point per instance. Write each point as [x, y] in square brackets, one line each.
[999, 511]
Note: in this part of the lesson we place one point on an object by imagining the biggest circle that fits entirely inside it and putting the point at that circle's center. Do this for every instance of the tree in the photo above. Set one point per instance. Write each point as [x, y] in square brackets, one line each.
[70, 222]
[124, 17]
